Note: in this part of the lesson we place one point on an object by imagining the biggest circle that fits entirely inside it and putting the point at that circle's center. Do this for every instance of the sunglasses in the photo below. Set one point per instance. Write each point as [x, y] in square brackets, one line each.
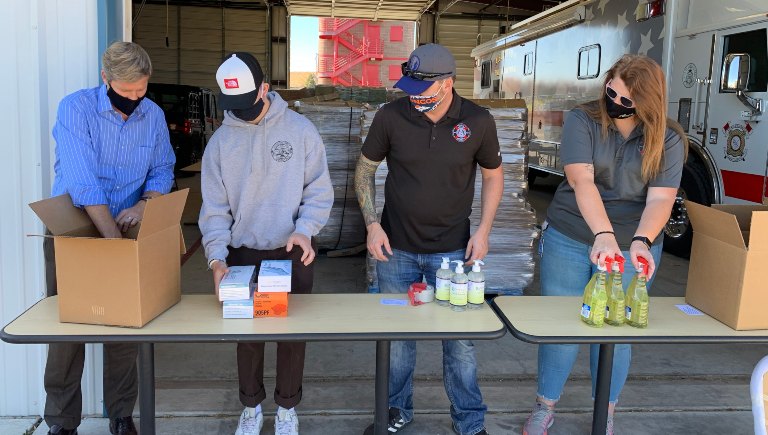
[418, 75]
[612, 94]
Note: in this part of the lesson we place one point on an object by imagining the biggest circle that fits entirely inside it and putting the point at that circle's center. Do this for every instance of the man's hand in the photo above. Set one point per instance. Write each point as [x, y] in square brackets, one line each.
[305, 244]
[129, 217]
[377, 241]
[477, 248]
[219, 269]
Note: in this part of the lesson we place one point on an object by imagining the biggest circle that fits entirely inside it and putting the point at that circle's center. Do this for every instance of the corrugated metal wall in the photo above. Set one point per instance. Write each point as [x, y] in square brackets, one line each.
[52, 49]
[460, 36]
[198, 38]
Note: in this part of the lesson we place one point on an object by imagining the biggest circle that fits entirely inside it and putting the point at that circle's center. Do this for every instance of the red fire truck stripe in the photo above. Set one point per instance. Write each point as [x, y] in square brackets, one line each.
[748, 187]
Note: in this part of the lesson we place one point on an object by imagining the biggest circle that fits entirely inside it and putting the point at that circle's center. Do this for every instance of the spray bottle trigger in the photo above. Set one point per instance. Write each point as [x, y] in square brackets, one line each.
[643, 265]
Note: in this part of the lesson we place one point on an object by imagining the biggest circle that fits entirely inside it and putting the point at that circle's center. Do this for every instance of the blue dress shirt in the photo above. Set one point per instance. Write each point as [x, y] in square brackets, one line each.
[101, 159]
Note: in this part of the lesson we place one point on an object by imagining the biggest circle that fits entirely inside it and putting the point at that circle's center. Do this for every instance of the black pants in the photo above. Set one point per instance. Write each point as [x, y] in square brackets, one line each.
[290, 355]
[64, 370]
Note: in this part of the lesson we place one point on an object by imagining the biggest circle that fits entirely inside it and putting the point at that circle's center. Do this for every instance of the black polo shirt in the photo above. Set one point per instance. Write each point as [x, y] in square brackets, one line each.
[432, 167]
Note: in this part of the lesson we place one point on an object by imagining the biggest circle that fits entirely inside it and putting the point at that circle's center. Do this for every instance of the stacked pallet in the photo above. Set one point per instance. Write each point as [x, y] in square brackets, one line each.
[338, 125]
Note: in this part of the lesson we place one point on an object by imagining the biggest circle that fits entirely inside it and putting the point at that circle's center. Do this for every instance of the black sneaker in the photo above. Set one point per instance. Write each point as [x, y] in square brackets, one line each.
[482, 432]
[395, 424]
[59, 430]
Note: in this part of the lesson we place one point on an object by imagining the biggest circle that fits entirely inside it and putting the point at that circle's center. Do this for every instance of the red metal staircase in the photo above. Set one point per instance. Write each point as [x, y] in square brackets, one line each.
[349, 50]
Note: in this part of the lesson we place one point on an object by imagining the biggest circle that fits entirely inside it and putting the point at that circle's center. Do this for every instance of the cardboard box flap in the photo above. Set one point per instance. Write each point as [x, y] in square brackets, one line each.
[61, 217]
[743, 213]
[715, 223]
[758, 234]
[162, 212]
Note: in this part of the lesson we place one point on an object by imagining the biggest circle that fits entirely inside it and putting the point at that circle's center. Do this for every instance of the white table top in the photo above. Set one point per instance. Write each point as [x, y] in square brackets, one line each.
[322, 317]
[555, 319]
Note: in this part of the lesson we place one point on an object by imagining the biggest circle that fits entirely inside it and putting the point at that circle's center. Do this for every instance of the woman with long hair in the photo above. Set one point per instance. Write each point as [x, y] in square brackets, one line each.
[623, 161]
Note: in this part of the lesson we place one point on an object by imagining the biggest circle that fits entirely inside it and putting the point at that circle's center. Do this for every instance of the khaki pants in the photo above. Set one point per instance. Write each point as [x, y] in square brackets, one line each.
[64, 370]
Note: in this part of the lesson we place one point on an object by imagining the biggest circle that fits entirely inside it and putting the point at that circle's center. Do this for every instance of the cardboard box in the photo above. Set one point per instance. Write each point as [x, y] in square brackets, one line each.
[237, 284]
[272, 304]
[120, 282]
[275, 276]
[238, 309]
[728, 268]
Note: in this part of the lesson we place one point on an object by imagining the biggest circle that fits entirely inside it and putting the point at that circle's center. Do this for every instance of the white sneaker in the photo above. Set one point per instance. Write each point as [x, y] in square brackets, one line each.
[286, 422]
[250, 424]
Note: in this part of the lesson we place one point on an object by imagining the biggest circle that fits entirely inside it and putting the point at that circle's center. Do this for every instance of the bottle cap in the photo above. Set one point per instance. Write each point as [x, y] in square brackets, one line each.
[618, 263]
[446, 263]
[459, 266]
[476, 266]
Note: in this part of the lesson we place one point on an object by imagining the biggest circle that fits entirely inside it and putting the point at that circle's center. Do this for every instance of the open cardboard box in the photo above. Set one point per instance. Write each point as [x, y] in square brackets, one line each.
[120, 282]
[728, 271]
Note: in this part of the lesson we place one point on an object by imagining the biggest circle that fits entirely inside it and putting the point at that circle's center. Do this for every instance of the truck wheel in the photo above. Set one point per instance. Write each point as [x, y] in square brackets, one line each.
[678, 232]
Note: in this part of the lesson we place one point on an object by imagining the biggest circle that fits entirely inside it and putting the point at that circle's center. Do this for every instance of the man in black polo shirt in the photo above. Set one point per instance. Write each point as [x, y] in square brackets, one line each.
[433, 142]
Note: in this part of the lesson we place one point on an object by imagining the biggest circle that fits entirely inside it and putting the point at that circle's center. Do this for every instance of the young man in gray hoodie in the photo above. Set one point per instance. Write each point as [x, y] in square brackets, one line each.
[266, 193]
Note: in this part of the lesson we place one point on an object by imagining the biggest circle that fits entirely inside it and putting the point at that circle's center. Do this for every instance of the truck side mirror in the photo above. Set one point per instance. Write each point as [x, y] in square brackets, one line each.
[735, 75]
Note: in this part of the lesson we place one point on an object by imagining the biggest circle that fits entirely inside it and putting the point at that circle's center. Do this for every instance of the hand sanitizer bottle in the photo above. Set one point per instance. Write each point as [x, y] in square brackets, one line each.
[443, 283]
[476, 287]
[459, 284]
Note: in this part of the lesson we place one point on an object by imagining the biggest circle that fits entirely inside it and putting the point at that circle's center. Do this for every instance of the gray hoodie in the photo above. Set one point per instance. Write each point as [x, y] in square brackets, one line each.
[261, 183]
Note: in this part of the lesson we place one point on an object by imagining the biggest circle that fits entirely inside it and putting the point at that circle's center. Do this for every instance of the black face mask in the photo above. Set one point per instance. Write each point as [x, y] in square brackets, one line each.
[121, 103]
[617, 110]
[250, 113]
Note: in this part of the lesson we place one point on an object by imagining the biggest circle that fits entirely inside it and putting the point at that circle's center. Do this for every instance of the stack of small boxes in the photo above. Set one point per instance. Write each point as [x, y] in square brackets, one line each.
[242, 298]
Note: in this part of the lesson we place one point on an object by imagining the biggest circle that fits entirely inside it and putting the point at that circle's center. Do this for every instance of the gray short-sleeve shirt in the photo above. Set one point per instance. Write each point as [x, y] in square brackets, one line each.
[618, 176]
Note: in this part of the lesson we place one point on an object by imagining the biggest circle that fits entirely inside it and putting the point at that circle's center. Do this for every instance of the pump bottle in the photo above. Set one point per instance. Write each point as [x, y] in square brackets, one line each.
[476, 286]
[459, 284]
[443, 283]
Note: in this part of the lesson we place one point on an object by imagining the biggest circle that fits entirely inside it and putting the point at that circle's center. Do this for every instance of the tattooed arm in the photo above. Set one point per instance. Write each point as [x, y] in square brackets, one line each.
[581, 177]
[365, 188]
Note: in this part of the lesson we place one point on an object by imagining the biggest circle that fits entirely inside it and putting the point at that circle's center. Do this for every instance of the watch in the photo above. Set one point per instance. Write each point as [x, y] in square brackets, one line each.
[643, 239]
[212, 260]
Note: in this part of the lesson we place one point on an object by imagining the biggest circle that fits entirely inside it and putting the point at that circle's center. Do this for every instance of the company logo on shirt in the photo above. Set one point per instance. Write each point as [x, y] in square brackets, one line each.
[282, 151]
[461, 132]
[231, 84]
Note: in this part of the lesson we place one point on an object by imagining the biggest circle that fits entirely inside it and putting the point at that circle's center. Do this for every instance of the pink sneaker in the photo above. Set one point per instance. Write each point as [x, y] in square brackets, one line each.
[542, 417]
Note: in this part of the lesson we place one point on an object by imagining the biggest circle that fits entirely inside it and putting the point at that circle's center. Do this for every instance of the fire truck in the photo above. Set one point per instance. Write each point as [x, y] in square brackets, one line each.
[715, 57]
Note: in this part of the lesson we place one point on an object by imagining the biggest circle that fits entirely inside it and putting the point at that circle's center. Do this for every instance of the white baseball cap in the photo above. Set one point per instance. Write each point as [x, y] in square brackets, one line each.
[239, 78]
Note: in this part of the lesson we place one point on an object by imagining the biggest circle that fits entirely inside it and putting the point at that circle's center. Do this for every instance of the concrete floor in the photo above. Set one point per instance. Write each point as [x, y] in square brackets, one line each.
[672, 389]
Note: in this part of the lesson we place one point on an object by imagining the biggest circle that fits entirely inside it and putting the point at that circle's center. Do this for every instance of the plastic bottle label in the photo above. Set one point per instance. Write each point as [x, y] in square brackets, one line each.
[585, 309]
[459, 294]
[442, 289]
[476, 292]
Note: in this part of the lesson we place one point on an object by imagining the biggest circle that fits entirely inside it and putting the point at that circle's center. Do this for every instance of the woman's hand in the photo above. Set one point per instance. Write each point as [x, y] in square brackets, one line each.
[639, 249]
[605, 245]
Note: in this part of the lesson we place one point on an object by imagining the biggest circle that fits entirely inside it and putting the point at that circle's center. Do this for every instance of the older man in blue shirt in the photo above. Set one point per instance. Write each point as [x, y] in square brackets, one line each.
[113, 154]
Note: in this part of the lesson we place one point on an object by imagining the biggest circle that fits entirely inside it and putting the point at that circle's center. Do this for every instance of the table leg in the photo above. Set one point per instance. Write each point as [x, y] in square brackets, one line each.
[603, 390]
[147, 388]
[381, 415]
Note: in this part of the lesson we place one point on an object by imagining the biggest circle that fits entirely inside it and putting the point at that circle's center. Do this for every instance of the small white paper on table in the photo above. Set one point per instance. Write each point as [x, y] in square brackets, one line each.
[689, 310]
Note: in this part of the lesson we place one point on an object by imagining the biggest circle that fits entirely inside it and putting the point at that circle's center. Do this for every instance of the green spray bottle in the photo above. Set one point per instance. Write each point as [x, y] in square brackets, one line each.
[443, 283]
[476, 288]
[637, 297]
[459, 285]
[595, 298]
[614, 310]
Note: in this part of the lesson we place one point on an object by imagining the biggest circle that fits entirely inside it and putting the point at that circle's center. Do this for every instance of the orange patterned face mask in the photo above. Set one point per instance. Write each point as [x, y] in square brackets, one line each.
[427, 103]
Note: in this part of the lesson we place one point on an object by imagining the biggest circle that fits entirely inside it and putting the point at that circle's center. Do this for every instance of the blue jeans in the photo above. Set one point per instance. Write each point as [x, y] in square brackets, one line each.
[565, 271]
[459, 365]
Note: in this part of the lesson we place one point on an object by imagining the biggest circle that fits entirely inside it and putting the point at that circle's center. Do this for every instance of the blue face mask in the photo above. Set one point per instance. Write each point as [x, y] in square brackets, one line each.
[427, 103]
